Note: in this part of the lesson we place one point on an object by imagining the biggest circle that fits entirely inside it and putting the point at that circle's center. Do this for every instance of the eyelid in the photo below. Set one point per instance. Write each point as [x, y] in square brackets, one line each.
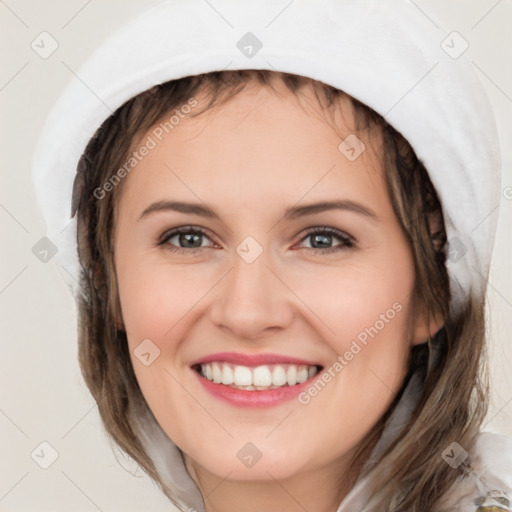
[329, 231]
[347, 240]
[167, 235]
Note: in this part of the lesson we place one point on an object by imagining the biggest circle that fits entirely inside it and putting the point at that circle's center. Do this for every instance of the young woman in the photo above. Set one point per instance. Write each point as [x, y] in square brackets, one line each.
[277, 266]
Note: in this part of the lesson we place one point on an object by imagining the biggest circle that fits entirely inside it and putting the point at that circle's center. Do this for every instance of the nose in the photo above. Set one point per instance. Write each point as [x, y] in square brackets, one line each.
[252, 300]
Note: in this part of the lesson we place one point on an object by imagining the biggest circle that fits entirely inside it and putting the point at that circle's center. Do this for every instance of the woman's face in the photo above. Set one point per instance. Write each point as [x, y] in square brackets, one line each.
[251, 292]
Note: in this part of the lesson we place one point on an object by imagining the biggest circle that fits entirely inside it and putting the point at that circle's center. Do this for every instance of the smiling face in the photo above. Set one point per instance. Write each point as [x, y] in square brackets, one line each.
[258, 278]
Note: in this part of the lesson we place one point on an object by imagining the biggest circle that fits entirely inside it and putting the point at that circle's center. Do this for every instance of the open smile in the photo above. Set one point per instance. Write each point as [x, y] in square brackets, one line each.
[254, 384]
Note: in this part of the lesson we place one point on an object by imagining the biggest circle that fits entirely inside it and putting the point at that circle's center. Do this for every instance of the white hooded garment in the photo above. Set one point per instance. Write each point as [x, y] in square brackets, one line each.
[386, 54]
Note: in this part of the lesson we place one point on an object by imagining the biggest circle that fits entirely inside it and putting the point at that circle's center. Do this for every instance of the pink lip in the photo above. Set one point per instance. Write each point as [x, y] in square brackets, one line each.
[253, 399]
[251, 359]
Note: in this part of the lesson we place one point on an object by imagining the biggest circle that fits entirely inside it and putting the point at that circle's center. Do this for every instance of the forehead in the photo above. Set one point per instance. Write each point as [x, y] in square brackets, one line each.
[257, 105]
[262, 140]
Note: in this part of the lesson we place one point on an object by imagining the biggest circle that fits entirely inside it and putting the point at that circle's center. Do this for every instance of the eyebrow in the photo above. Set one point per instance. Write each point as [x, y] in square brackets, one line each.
[291, 213]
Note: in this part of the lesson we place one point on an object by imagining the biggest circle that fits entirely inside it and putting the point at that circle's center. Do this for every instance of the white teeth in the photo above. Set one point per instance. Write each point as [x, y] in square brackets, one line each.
[260, 378]
[227, 375]
[291, 375]
[278, 376]
[302, 375]
[216, 373]
[243, 376]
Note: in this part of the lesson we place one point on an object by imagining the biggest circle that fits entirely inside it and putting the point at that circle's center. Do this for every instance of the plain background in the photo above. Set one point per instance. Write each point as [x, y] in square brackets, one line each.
[43, 397]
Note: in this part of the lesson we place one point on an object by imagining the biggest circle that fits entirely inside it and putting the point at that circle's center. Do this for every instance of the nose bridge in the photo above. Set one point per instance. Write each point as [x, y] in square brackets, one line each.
[251, 299]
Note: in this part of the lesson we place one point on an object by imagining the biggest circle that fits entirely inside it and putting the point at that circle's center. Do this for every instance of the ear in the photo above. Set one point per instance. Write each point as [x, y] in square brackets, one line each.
[425, 326]
[120, 323]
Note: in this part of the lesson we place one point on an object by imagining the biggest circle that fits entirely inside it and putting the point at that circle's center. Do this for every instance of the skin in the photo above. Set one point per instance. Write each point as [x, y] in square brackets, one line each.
[267, 151]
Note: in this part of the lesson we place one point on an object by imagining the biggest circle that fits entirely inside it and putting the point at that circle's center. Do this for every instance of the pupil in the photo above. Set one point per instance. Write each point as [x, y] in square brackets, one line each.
[190, 238]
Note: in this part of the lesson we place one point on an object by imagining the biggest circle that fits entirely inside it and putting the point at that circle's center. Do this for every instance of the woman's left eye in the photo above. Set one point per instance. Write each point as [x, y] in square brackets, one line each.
[322, 238]
[190, 239]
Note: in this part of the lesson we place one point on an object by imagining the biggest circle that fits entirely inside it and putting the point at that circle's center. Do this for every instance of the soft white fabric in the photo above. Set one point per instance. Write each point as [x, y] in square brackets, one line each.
[386, 53]
[488, 477]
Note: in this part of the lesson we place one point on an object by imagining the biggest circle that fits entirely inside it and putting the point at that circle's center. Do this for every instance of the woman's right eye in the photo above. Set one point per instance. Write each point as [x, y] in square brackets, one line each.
[185, 239]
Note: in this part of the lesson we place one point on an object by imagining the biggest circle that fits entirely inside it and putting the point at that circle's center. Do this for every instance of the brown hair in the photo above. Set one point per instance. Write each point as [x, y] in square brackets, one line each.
[410, 475]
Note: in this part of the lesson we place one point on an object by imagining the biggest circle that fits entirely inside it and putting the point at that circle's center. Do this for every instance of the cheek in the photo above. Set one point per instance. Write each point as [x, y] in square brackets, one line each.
[154, 316]
[154, 296]
[350, 299]
[362, 310]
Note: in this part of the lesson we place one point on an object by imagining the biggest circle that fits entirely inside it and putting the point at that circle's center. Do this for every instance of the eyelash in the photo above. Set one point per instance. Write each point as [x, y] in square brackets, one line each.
[347, 241]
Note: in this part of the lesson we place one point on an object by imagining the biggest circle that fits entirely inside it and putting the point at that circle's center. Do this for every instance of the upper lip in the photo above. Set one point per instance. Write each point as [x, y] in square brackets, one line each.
[252, 359]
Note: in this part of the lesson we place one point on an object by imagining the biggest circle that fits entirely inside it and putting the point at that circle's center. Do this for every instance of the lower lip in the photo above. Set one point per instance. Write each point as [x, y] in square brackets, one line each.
[254, 399]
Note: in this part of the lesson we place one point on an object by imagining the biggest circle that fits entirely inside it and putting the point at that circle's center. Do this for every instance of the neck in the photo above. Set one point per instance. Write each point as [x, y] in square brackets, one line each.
[321, 490]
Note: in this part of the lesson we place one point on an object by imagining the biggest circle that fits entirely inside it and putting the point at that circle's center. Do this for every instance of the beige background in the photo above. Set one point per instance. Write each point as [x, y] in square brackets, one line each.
[42, 397]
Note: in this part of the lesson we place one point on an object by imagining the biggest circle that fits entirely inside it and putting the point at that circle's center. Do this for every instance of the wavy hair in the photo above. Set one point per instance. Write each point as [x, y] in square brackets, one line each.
[411, 475]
